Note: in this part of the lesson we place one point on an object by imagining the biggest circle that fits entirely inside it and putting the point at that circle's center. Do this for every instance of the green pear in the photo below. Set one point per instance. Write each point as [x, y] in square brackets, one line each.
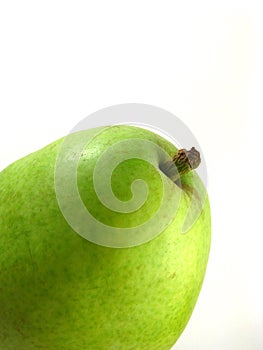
[64, 285]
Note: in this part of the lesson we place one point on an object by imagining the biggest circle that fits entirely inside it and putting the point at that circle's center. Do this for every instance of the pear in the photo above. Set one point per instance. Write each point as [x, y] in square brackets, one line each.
[65, 284]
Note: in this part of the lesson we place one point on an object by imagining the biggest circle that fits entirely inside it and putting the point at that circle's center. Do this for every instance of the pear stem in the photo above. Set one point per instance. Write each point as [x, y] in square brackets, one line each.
[181, 163]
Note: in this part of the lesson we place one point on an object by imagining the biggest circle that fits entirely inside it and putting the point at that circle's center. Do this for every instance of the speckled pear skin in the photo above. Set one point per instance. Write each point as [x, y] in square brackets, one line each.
[60, 291]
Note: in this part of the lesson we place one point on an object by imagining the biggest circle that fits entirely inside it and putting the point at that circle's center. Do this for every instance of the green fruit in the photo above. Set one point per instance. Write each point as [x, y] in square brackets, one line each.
[58, 290]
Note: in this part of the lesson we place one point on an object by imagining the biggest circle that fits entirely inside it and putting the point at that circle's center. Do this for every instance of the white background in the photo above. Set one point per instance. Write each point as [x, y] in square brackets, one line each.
[202, 61]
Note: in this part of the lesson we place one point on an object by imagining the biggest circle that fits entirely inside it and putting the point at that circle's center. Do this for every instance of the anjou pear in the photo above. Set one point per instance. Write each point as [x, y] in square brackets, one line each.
[68, 285]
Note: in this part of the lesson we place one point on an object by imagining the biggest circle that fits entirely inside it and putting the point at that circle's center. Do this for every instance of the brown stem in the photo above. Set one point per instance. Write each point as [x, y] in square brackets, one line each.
[182, 162]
